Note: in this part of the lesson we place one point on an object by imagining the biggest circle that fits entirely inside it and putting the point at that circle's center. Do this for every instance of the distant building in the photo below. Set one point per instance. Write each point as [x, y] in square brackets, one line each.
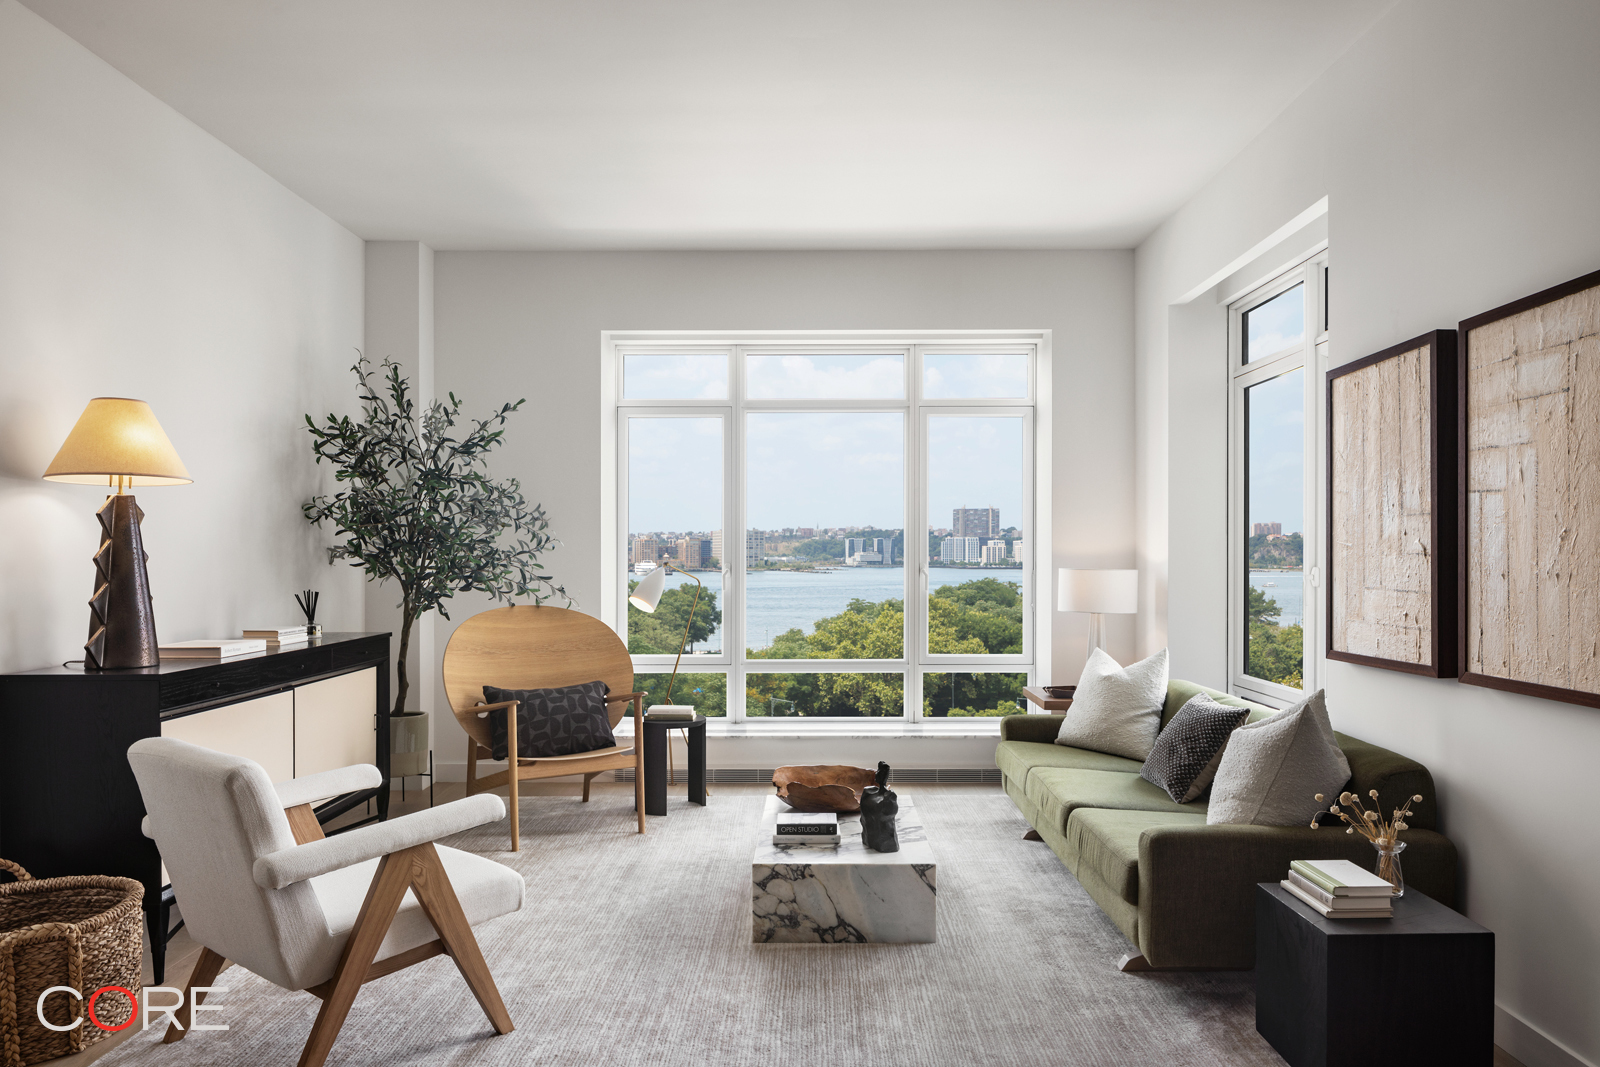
[873, 551]
[644, 549]
[994, 552]
[1266, 528]
[960, 550]
[806, 531]
[755, 547]
[975, 522]
[691, 553]
[1016, 550]
[716, 545]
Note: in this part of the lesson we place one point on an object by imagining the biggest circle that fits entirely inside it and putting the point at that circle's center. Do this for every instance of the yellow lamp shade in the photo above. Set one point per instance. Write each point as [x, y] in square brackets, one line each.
[116, 438]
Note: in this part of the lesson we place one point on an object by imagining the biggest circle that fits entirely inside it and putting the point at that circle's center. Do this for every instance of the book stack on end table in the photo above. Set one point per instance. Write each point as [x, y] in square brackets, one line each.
[806, 828]
[1338, 889]
[282, 637]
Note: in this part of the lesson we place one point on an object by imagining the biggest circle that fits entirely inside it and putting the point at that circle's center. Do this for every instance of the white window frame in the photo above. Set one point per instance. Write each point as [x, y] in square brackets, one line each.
[1311, 355]
[1035, 522]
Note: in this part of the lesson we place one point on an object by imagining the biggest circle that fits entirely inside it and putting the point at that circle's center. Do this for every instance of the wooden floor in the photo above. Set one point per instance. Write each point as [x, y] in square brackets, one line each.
[182, 952]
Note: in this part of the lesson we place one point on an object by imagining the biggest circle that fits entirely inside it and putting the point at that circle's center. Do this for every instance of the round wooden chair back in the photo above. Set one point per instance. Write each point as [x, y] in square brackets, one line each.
[532, 647]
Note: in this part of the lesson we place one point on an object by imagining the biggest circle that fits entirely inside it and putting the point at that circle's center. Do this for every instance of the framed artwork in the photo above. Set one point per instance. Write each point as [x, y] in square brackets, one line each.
[1392, 542]
[1530, 501]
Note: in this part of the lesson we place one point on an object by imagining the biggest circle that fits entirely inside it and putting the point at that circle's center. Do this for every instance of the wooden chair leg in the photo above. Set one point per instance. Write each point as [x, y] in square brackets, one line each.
[472, 766]
[511, 769]
[638, 759]
[205, 973]
[378, 910]
[439, 902]
[586, 780]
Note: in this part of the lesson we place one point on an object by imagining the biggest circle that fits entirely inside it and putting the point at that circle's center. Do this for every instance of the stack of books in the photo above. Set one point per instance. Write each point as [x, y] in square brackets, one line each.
[806, 828]
[671, 712]
[282, 637]
[212, 648]
[1338, 889]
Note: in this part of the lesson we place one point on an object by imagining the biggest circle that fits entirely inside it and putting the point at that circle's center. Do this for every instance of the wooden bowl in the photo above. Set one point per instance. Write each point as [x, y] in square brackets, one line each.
[826, 788]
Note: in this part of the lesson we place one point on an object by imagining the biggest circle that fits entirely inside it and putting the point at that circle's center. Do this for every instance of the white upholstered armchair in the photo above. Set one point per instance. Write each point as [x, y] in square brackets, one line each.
[260, 885]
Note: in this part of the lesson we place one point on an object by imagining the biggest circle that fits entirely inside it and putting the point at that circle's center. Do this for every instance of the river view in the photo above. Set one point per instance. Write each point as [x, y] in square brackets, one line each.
[786, 600]
[1288, 589]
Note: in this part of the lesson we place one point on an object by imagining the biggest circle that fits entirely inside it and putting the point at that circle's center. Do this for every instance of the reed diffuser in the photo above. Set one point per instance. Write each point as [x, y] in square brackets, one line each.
[1385, 836]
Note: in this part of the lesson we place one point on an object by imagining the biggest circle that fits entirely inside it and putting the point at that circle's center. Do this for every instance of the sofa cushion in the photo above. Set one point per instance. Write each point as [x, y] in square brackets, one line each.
[1059, 791]
[1117, 709]
[1106, 842]
[1273, 769]
[1016, 758]
[1189, 748]
[1395, 777]
[1180, 692]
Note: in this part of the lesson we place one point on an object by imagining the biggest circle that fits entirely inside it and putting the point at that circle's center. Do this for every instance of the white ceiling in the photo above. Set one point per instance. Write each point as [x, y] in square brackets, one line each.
[722, 124]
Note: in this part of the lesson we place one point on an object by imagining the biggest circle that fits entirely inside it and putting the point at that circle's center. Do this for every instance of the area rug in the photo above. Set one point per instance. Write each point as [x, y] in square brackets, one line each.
[635, 951]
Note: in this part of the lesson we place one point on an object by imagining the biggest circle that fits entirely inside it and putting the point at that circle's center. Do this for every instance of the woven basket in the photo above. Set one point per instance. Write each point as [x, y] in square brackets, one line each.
[81, 931]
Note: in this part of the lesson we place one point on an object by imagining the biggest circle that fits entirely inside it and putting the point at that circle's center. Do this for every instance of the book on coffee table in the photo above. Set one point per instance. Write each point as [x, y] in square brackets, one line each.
[1342, 878]
[670, 712]
[1376, 909]
[807, 824]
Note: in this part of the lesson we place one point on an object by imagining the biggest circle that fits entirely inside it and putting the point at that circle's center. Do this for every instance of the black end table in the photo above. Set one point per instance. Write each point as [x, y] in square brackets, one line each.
[656, 740]
[1413, 990]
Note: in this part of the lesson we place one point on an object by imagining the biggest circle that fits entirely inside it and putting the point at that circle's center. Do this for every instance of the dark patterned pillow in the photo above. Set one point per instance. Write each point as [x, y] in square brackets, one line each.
[1186, 755]
[552, 722]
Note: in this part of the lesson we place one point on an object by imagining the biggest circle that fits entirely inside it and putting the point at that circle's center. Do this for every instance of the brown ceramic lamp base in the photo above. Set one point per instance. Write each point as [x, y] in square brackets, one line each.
[122, 624]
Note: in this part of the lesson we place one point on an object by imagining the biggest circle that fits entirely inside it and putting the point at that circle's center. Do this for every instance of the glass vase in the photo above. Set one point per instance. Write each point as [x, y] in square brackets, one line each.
[1389, 864]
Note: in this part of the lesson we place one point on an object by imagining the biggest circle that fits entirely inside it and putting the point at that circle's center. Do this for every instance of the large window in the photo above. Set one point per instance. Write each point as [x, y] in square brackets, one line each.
[857, 518]
[1278, 343]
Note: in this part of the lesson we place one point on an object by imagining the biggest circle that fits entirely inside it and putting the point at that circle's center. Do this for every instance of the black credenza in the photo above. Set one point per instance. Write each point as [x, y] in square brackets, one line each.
[68, 800]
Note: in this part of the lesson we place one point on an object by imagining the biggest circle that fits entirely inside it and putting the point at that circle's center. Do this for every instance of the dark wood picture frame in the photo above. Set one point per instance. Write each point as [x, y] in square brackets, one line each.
[1440, 436]
[1465, 328]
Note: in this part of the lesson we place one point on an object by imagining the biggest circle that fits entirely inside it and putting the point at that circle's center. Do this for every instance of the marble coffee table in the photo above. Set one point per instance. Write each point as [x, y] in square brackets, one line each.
[837, 894]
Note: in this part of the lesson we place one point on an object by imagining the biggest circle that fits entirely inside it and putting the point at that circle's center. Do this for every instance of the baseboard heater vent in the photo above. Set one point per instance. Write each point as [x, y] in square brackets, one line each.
[763, 775]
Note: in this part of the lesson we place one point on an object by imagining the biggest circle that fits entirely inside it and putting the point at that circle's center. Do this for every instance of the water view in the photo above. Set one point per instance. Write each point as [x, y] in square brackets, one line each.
[1287, 589]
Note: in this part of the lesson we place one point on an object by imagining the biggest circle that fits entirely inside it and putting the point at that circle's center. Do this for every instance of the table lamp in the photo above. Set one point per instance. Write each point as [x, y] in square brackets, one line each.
[118, 443]
[1097, 593]
[647, 594]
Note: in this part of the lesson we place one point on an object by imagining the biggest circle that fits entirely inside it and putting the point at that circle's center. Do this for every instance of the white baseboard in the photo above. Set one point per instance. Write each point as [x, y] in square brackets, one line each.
[1530, 1045]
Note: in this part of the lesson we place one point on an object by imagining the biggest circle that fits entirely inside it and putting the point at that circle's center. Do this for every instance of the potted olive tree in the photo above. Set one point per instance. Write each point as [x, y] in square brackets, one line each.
[416, 506]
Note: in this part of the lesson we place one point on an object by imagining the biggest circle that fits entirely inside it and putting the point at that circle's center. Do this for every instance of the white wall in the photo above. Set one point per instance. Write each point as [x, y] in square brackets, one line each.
[510, 325]
[141, 257]
[1457, 144]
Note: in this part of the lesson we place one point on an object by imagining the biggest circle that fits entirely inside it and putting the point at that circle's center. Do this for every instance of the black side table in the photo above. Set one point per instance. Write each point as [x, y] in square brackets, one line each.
[1414, 990]
[656, 740]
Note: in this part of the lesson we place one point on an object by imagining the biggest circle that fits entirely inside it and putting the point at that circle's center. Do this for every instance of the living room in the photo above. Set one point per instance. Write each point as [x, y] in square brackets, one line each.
[1016, 274]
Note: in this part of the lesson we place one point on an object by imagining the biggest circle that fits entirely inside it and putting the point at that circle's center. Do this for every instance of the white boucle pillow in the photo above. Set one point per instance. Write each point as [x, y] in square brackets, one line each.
[1273, 769]
[1117, 709]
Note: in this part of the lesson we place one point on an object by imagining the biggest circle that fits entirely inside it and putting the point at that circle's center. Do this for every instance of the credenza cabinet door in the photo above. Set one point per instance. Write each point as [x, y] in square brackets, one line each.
[260, 729]
[335, 722]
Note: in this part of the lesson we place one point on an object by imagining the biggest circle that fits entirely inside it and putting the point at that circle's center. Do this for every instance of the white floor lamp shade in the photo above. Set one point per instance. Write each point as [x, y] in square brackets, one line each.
[1110, 592]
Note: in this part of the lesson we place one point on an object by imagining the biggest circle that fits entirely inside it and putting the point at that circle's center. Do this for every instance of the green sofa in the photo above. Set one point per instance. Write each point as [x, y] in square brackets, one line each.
[1182, 891]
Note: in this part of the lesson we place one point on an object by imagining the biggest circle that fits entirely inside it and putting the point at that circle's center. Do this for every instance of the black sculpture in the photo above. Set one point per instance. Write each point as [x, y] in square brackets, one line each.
[878, 808]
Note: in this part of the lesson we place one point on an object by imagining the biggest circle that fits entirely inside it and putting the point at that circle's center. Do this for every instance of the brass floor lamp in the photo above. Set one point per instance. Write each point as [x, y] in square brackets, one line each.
[646, 596]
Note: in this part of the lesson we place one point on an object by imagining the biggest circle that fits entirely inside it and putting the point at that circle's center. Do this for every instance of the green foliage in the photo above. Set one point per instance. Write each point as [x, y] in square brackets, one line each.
[661, 631]
[1287, 552]
[983, 616]
[707, 692]
[1258, 607]
[820, 548]
[967, 695]
[1275, 653]
[417, 507]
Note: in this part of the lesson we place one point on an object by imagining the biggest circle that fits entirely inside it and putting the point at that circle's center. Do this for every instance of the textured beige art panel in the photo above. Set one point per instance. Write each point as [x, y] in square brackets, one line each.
[1382, 511]
[1533, 495]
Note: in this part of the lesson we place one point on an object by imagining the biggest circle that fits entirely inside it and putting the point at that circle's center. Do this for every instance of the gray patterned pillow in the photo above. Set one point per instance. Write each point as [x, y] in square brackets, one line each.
[552, 722]
[1186, 755]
